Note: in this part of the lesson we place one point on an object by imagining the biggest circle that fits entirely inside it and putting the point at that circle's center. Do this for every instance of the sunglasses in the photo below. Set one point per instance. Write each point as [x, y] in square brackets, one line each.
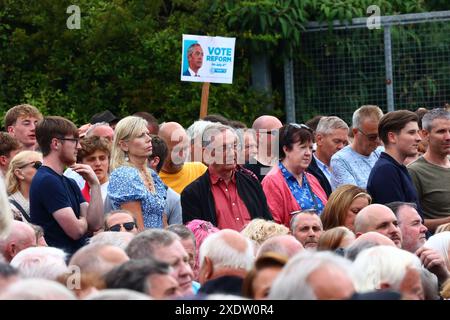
[297, 126]
[127, 225]
[310, 211]
[36, 165]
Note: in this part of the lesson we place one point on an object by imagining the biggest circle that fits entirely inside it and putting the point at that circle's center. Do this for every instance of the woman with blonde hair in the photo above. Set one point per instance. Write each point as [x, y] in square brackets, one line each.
[259, 230]
[343, 205]
[132, 185]
[21, 171]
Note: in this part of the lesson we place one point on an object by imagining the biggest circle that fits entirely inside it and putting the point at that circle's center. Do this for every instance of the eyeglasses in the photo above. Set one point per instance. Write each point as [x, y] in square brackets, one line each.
[370, 137]
[36, 165]
[127, 225]
[76, 140]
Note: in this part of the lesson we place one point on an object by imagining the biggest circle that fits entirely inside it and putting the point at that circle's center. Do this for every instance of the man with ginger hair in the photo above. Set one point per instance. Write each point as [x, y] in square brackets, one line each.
[176, 173]
[381, 219]
[225, 258]
[20, 122]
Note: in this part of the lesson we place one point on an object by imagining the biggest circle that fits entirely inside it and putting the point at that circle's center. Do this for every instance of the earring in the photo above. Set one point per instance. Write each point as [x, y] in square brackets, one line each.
[126, 157]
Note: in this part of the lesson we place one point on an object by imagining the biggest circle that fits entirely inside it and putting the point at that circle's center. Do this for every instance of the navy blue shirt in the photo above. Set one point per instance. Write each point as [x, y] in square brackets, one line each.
[390, 181]
[50, 192]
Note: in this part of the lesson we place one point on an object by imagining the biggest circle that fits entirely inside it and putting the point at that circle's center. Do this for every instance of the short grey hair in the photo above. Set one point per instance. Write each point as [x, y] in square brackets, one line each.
[145, 243]
[133, 274]
[366, 112]
[294, 219]
[214, 129]
[37, 289]
[430, 116]
[292, 282]
[195, 130]
[223, 255]
[352, 251]
[183, 232]
[118, 294]
[91, 129]
[40, 262]
[89, 259]
[328, 124]
[383, 264]
[115, 239]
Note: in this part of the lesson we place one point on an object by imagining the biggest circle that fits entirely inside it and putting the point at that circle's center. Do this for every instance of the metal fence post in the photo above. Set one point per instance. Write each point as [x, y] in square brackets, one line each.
[388, 66]
[289, 90]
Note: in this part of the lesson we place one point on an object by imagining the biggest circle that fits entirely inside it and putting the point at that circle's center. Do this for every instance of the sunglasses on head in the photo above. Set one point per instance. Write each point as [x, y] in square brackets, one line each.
[297, 126]
[36, 165]
[127, 225]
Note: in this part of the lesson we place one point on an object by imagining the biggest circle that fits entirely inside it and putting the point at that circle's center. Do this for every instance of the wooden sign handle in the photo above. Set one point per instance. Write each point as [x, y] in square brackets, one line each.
[204, 102]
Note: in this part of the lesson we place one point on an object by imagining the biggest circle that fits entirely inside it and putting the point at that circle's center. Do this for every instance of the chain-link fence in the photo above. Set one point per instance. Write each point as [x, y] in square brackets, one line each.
[403, 65]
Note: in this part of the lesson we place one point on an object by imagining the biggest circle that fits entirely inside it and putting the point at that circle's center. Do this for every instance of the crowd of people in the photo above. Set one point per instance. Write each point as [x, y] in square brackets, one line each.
[133, 209]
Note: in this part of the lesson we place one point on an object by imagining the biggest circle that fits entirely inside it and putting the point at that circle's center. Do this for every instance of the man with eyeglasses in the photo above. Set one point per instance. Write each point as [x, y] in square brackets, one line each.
[352, 164]
[56, 202]
[225, 196]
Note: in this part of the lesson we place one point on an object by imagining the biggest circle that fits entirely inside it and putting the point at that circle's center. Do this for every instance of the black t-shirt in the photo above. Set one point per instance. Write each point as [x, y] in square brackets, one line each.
[259, 169]
[50, 192]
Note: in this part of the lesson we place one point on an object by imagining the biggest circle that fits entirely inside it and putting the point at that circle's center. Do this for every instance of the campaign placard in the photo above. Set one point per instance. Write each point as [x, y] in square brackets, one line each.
[207, 59]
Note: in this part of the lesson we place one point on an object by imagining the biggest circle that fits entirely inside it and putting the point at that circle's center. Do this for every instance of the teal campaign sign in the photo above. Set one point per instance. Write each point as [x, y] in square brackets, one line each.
[207, 59]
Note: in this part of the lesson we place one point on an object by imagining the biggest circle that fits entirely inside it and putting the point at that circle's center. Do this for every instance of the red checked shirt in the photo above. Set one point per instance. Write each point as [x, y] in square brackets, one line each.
[231, 211]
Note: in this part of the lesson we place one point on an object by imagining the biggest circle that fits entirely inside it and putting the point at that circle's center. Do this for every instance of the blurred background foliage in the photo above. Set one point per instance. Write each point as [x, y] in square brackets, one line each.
[126, 56]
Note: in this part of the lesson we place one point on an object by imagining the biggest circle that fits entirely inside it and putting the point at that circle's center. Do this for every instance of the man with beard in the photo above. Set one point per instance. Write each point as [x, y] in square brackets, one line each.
[381, 219]
[56, 202]
[306, 227]
[431, 172]
[414, 237]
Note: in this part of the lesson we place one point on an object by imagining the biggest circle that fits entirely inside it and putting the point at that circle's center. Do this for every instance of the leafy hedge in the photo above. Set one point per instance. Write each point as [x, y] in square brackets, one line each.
[126, 56]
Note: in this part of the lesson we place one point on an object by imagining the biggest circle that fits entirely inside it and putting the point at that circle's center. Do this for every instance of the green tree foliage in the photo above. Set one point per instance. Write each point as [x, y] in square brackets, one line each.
[126, 58]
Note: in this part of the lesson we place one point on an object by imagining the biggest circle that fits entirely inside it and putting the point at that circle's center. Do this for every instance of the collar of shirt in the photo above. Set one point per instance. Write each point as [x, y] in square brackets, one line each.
[193, 73]
[286, 174]
[215, 178]
[385, 155]
[322, 166]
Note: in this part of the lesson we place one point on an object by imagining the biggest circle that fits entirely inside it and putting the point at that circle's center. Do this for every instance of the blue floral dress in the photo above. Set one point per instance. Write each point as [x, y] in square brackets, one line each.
[126, 185]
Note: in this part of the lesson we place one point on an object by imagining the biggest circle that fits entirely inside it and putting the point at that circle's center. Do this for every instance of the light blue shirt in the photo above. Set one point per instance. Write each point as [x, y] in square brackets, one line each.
[350, 167]
[322, 166]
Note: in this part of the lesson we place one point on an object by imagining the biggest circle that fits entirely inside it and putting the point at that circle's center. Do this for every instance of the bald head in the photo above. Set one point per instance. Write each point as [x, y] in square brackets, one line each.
[177, 143]
[226, 250]
[234, 239]
[376, 238]
[98, 258]
[267, 122]
[22, 236]
[381, 219]
[285, 245]
[104, 131]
